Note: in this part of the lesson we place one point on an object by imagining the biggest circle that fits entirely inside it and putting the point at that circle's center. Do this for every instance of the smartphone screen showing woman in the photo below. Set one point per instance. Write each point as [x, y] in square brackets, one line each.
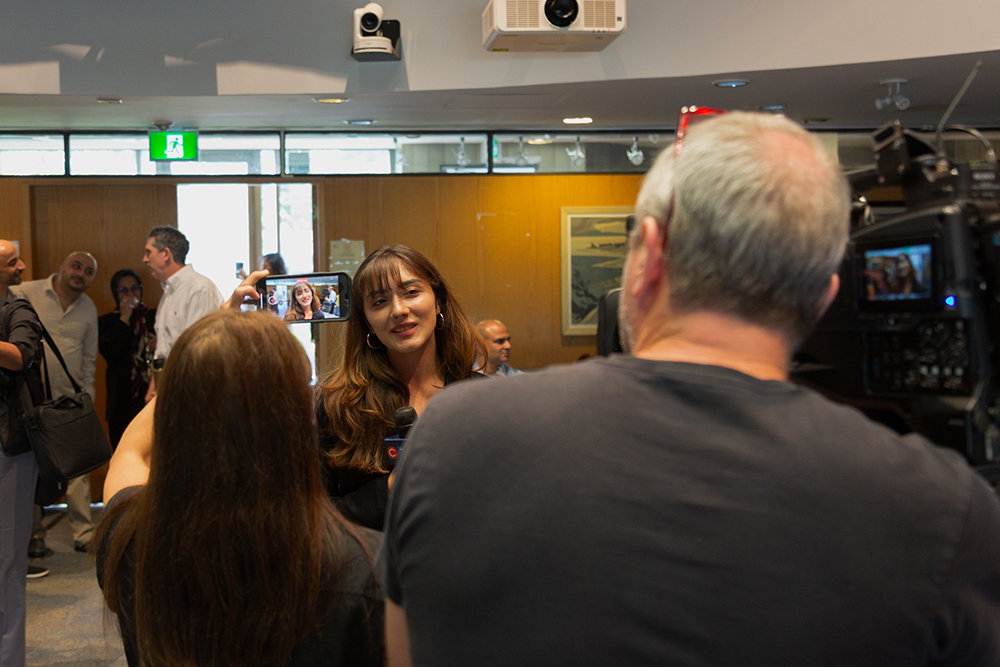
[314, 297]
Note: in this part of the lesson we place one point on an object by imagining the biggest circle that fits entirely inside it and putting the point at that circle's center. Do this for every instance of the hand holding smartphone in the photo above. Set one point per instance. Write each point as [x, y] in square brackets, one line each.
[307, 297]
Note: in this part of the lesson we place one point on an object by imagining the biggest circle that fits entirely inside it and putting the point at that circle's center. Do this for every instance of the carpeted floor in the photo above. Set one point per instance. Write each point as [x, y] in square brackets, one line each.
[66, 609]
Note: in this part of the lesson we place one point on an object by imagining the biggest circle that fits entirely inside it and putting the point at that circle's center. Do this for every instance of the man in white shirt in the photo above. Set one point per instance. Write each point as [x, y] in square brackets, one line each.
[187, 295]
[70, 317]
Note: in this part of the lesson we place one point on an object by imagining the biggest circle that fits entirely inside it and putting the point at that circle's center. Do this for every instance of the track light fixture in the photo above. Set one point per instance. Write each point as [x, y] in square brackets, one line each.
[576, 154]
[634, 153]
[901, 101]
[401, 161]
[461, 157]
[522, 159]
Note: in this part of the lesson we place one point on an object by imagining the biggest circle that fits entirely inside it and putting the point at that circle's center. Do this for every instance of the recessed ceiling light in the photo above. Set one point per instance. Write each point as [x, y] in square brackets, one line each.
[578, 121]
[360, 121]
[540, 141]
[731, 83]
[815, 121]
[330, 100]
[772, 107]
[109, 100]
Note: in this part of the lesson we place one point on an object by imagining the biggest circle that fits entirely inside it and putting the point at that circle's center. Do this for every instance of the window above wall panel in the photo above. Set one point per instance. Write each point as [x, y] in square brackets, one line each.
[372, 153]
[219, 154]
[32, 155]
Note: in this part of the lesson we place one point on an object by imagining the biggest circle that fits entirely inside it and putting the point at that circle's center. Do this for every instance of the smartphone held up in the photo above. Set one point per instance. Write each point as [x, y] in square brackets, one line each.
[308, 297]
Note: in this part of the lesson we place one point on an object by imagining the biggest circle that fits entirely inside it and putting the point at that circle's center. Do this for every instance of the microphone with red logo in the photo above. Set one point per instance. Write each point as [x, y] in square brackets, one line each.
[405, 418]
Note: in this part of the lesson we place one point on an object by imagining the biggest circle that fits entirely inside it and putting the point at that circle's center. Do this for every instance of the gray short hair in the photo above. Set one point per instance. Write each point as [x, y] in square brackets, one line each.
[170, 237]
[759, 220]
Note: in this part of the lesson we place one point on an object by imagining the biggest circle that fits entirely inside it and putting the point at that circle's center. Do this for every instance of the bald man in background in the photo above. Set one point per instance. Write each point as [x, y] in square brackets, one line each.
[70, 317]
[497, 340]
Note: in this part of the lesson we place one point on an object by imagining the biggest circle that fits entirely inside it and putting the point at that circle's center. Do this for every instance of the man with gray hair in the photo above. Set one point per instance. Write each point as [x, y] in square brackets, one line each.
[687, 504]
[187, 295]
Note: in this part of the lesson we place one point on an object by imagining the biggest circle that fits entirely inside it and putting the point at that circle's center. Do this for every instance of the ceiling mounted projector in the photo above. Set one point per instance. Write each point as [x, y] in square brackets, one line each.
[552, 25]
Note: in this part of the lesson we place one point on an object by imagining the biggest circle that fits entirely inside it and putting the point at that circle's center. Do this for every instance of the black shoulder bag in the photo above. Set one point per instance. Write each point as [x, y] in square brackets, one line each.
[65, 434]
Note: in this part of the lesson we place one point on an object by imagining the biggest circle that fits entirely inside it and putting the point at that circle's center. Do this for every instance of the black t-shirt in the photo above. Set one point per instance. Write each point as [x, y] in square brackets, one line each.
[626, 511]
[350, 633]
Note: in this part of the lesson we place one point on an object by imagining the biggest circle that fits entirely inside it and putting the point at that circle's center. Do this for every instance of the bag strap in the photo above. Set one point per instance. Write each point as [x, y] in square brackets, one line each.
[55, 349]
[26, 401]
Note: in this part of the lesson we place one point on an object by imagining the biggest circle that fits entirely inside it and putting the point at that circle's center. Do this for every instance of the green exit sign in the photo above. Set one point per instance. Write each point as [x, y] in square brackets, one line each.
[172, 146]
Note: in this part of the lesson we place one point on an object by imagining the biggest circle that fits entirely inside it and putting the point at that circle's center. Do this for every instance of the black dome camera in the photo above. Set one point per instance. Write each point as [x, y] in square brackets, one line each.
[561, 13]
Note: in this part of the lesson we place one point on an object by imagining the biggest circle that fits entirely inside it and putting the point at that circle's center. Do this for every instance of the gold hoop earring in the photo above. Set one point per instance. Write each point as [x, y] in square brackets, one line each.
[368, 339]
[440, 321]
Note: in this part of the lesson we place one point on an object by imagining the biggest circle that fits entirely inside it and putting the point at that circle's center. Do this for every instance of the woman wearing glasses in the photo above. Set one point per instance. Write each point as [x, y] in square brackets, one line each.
[126, 339]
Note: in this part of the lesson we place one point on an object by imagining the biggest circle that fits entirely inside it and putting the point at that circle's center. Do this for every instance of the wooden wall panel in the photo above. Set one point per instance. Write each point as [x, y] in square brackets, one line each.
[494, 238]
[15, 215]
[111, 223]
[108, 221]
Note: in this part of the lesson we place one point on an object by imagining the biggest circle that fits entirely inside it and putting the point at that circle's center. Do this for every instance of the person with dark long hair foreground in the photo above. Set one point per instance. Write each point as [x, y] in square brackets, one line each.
[219, 544]
[407, 338]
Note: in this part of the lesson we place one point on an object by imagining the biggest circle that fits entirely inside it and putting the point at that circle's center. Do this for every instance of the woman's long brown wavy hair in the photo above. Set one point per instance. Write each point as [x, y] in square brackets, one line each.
[362, 395]
[233, 540]
[295, 311]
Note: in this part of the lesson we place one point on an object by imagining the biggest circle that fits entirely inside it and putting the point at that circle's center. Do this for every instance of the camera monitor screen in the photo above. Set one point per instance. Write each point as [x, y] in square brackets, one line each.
[313, 297]
[898, 274]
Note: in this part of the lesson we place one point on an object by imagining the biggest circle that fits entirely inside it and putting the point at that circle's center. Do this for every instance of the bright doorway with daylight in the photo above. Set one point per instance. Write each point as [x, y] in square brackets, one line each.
[233, 224]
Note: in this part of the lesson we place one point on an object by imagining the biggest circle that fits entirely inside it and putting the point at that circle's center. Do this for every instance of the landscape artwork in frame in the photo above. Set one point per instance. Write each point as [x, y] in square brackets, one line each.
[593, 254]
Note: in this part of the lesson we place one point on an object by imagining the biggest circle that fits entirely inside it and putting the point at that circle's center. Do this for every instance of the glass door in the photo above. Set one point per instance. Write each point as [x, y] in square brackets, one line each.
[233, 224]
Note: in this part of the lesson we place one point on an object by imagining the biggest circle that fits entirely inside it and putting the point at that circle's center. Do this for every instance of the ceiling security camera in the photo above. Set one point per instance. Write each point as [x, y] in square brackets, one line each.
[375, 38]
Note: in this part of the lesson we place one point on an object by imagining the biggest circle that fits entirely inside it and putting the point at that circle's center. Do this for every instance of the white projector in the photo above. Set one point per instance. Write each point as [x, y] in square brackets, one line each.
[552, 25]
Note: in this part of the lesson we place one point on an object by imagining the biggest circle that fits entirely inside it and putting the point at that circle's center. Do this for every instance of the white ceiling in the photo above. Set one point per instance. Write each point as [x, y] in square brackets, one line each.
[178, 63]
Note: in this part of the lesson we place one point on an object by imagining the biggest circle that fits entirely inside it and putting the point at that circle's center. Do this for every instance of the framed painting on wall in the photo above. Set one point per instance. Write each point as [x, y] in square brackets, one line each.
[593, 254]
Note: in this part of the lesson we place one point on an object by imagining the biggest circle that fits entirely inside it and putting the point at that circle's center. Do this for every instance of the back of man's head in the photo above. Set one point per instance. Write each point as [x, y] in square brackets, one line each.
[172, 238]
[758, 221]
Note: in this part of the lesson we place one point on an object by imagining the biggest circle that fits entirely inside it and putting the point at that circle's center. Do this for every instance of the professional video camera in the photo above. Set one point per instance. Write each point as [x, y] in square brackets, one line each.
[912, 337]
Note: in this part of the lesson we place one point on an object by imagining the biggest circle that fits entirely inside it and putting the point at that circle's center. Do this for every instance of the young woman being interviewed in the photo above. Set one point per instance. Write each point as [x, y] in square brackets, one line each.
[220, 545]
[407, 338]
